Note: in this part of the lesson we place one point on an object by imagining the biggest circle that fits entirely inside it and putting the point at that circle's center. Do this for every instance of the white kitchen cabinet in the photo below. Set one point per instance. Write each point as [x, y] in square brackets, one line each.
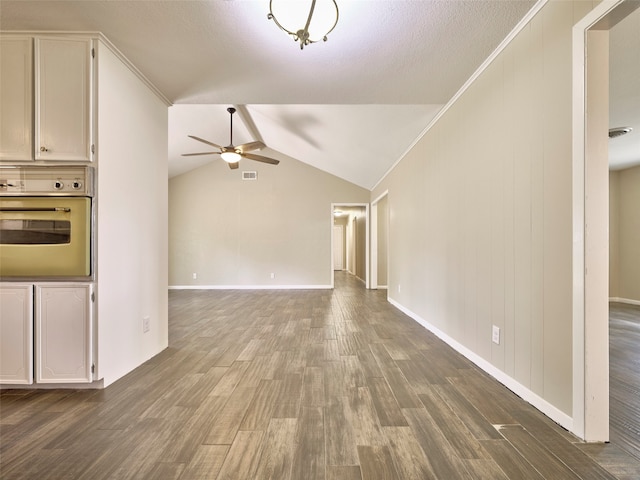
[16, 333]
[63, 94]
[63, 333]
[16, 98]
[46, 94]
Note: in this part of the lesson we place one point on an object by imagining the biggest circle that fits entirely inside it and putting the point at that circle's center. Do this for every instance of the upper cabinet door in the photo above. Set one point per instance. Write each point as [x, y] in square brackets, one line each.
[16, 98]
[63, 94]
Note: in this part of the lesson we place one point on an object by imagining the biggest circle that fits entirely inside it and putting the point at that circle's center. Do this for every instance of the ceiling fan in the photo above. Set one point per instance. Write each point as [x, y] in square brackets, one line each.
[232, 154]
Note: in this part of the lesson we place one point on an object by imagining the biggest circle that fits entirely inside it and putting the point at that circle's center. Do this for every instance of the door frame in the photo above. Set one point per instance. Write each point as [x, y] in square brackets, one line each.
[590, 251]
[374, 240]
[333, 252]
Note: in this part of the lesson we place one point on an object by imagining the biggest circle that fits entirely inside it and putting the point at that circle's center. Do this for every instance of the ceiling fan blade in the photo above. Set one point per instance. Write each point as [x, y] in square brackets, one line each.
[233, 166]
[204, 141]
[247, 147]
[260, 158]
[200, 153]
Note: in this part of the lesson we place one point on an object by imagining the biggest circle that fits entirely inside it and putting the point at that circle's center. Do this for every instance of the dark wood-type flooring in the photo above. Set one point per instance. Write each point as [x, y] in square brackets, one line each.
[624, 376]
[301, 385]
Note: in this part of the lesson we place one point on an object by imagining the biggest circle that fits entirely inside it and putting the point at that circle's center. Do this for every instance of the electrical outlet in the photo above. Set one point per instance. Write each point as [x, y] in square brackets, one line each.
[398, 288]
[146, 324]
[495, 335]
[273, 275]
[195, 275]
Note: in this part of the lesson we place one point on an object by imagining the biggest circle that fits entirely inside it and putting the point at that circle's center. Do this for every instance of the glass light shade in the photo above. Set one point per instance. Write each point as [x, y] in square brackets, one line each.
[292, 16]
[230, 157]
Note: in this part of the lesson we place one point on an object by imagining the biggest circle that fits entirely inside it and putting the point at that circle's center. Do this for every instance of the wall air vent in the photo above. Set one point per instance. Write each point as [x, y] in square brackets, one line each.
[249, 175]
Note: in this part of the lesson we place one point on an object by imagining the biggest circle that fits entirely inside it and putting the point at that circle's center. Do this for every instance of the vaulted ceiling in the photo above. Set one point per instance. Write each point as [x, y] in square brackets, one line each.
[351, 106]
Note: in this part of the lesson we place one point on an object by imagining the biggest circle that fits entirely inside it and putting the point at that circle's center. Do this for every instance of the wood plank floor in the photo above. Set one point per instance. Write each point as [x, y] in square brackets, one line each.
[295, 385]
[624, 376]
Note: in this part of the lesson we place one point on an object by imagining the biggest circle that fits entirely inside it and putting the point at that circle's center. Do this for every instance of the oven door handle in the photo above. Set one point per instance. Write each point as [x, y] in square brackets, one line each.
[19, 209]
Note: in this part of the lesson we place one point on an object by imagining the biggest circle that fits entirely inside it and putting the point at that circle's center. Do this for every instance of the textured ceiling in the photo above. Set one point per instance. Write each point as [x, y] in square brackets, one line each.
[227, 52]
[350, 106]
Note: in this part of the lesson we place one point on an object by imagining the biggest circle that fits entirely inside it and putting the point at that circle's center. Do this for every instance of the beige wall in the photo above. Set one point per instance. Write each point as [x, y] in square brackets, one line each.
[614, 222]
[232, 232]
[624, 231]
[481, 212]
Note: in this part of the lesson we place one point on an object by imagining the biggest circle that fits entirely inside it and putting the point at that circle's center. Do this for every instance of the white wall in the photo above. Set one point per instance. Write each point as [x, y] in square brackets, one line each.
[480, 210]
[132, 219]
[232, 232]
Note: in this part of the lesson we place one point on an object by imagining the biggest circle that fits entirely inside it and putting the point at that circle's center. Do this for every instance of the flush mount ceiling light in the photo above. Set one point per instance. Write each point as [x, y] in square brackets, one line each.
[619, 131]
[307, 21]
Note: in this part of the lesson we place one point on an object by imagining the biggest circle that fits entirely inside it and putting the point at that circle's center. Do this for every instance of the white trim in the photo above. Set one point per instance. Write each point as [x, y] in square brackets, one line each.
[508, 39]
[525, 393]
[581, 362]
[374, 240]
[250, 287]
[374, 246]
[628, 301]
[381, 196]
[578, 136]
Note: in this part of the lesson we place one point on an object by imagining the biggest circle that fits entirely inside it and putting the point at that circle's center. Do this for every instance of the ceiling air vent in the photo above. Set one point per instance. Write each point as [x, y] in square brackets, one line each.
[249, 175]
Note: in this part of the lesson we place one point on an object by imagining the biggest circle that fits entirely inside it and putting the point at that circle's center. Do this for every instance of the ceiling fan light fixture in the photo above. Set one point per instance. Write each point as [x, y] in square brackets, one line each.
[230, 156]
[307, 21]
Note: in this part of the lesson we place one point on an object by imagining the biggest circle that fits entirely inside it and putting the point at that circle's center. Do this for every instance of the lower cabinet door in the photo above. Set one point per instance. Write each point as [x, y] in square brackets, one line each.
[16, 333]
[63, 333]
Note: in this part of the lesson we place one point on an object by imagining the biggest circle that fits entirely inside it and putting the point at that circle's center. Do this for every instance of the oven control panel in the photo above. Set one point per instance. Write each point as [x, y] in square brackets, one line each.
[44, 180]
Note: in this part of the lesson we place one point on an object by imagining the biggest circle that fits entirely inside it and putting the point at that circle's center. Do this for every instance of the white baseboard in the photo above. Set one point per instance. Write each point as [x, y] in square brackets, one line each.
[525, 393]
[250, 287]
[624, 300]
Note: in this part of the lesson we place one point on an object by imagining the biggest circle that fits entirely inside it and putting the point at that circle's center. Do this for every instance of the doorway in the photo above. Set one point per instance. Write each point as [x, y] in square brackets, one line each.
[591, 207]
[353, 218]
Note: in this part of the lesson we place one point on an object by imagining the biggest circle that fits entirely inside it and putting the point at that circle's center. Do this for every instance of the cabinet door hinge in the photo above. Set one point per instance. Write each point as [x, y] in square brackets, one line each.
[93, 296]
[93, 148]
[93, 368]
[93, 53]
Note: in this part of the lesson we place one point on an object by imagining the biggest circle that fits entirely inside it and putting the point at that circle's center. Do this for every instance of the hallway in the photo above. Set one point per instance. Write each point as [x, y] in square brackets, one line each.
[299, 385]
